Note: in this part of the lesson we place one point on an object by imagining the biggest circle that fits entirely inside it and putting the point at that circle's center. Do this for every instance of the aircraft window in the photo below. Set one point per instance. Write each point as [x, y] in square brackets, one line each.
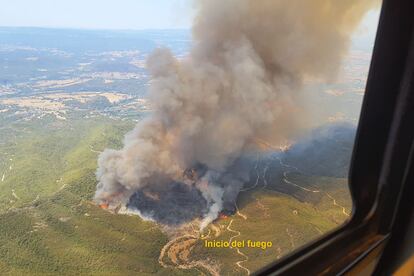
[213, 144]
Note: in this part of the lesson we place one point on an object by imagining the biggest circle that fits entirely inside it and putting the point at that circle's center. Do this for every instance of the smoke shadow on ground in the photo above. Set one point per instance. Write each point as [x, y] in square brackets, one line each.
[325, 151]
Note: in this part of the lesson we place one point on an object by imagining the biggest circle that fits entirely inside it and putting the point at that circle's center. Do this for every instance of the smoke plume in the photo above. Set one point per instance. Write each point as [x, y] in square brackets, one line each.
[240, 83]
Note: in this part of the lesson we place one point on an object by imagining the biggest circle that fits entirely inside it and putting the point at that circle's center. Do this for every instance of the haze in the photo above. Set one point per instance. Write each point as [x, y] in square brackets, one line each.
[97, 14]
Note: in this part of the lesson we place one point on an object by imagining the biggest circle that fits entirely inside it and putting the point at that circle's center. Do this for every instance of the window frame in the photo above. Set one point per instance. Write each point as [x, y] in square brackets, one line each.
[380, 156]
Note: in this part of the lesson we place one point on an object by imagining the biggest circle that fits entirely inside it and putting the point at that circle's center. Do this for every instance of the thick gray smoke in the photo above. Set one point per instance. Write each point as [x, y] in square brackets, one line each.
[240, 83]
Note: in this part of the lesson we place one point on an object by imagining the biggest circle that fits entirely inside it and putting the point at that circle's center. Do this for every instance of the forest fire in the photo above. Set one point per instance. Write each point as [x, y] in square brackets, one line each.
[111, 201]
[222, 216]
[189, 157]
[104, 206]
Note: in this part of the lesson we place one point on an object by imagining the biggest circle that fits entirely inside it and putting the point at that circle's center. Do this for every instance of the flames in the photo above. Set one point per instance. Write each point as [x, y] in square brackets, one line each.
[222, 216]
[110, 198]
[264, 145]
[104, 206]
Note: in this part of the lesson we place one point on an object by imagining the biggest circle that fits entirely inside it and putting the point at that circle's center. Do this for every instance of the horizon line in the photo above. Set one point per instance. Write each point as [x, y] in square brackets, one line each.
[94, 29]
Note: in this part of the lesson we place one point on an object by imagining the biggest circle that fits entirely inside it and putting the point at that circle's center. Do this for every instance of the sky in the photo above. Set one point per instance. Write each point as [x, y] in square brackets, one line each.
[97, 14]
[112, 14]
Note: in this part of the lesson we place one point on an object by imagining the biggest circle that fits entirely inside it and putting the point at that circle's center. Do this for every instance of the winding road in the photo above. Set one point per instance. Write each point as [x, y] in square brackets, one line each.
[238, 263]
[178, 251]
[285, 179]
[336, 204]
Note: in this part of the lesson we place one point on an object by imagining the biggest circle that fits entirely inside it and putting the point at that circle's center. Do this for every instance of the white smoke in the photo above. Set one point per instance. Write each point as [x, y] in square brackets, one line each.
[214, 196]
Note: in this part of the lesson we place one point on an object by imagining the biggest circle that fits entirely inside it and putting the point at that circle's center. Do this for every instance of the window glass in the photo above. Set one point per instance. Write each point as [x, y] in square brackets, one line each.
[176, 137]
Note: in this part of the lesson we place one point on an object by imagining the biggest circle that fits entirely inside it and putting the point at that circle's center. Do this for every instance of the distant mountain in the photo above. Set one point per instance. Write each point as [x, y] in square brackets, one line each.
[80, 41]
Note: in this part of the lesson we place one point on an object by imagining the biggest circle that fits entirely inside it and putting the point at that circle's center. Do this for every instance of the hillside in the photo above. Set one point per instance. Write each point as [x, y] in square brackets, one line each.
[48, 223]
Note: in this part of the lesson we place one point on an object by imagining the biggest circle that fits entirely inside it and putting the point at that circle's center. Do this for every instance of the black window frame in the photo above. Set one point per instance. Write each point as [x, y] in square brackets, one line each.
[383, 148]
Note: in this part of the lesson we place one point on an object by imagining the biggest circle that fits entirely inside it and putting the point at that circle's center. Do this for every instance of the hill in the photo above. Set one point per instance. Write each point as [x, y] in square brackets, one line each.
[49, 225]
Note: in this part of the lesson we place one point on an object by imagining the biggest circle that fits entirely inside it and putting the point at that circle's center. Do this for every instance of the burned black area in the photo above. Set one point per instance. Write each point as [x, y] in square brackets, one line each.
[171, 204]
[325, 152]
